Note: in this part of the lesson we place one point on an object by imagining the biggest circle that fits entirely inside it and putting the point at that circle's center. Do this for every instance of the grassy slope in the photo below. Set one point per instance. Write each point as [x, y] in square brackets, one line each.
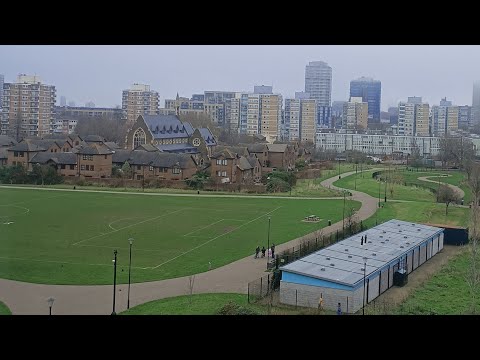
[38, 246]
[4, 310]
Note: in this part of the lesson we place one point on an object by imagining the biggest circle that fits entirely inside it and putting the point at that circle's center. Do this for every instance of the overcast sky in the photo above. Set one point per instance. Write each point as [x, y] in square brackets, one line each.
[99, 73]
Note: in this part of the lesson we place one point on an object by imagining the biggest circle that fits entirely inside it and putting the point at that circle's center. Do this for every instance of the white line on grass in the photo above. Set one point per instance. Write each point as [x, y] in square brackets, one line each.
[216, 237]
[113, 222]
[62, 262]
[20, 207]
[216, 222]
[125, 227]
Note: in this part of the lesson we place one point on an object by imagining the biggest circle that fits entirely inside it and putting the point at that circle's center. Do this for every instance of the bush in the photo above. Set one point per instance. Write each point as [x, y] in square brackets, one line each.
[277, 185]
[232, 308]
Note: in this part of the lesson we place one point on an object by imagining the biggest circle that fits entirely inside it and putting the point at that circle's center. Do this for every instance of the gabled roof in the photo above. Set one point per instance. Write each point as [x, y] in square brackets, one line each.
[189, 128]
[58, 158]
[207, 136]
[165, 126]
[226, 152]
[156, 159]
[257, 148]
[178, 148]
[6, 141]
[147, 147]
[253, 160]
[277, 148]
[240, 150]
[92, 149]
[27, 146]
[111, 145]
[3, 153]
[94, 138]
[244, 164]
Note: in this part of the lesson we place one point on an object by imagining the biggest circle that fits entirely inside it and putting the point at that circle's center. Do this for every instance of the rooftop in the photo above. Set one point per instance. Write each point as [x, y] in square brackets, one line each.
[343, 261]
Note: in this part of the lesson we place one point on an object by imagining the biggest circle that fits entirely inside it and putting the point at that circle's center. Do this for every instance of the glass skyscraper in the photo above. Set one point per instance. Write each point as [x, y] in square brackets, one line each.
[371, 92]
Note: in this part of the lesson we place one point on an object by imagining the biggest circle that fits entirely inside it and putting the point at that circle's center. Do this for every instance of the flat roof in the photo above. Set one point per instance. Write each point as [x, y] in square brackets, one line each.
[343, 261]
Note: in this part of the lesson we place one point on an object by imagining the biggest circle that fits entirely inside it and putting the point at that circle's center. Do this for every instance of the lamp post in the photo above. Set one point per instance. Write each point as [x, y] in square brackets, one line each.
[50, 304]
[379, 185]
[343, 220]
[129, 272]
[339, 168]
[268, 241]
[386, 189]
[364, 275]
[114, 279]
[356, 167]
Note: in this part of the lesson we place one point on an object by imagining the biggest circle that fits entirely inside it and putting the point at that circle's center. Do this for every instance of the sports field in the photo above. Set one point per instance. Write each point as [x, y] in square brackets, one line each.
[68, 237]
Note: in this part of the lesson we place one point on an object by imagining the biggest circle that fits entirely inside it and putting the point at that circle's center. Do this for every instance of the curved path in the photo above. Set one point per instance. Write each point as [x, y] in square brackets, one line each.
[28, 298]
[460, 192]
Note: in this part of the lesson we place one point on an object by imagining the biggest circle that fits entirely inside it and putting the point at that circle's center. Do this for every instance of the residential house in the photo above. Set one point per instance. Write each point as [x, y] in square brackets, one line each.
[281, 156]
[93, 160]
[260, 151]
[249, 170]
[223, 166]
[65, 163]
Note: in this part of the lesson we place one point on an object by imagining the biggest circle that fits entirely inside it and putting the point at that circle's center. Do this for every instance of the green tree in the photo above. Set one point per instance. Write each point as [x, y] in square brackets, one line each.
[198, 180]
[126, 170]
[447, 195]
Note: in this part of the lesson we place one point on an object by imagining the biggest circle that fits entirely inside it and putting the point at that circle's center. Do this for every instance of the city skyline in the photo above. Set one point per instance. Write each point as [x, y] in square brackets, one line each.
[99, 74]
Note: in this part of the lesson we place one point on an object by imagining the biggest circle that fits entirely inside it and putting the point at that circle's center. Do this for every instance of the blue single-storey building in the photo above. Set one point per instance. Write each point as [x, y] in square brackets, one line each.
[337, 273]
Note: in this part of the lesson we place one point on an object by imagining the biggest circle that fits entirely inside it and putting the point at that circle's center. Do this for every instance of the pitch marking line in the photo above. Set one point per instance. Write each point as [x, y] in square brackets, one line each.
[20, 207]
[194, 231]
[216, 237]
[113, 222]
[125, 227]
[60, 262]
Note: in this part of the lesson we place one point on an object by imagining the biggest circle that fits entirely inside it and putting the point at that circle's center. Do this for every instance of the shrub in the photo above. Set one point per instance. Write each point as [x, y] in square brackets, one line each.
[232, 308]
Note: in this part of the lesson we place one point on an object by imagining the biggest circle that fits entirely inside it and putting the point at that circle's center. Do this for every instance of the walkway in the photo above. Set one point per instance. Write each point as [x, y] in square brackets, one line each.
[27, 298]
[460, 192]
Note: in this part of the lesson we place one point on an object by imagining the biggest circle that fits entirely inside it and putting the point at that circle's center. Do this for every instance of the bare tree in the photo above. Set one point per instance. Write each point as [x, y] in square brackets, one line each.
[474, 182]
[447, 195]
[473, 277]
[111, 129]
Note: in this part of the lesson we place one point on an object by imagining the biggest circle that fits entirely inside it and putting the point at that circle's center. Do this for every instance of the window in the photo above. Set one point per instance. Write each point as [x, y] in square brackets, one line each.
[85, 157]
[72, 167]
[165, 170]
[82, 167]
[139, 167]
[15, 153]
[62, 166]
[151, 168]
[224, 173]
[105, 156]
[139, 138]
[91, 167]
[176, 171]
[20, 154]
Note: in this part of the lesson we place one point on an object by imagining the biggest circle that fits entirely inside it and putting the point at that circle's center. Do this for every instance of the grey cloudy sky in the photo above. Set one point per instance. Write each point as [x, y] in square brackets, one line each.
[99, 73]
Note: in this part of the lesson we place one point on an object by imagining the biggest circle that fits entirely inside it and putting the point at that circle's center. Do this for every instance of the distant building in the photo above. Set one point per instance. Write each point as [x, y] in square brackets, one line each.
[318, 82]
[1, 90]
[71, 103]
[214, 105]
[263, 89]
[63, 101]
[475, 117]
[183, 106]
[464, 116]
[301, 95]
[393, 111]
[324, 116]
[300, 119]
[371, 92]
[444, 118]
[378, 144]
[28, 108]
[90, 104]
[83, 112]
[139, 100]
[413, 117]
[355, 114]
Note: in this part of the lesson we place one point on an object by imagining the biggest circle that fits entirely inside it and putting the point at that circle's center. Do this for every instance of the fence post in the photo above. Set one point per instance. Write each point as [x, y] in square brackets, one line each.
[347, 304]
[316, 243]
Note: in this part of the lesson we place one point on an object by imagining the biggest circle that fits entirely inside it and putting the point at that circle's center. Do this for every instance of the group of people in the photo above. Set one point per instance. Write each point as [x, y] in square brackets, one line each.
[271, 251]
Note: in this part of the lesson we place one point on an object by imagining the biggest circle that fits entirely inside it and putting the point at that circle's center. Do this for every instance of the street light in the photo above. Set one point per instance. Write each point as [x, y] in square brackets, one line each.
[50, 302]
[343, 220]
[379, 185]
[339, 168]
[364, 275]
[114, 279]
[129, 272]
[386, 188]
[268, 240]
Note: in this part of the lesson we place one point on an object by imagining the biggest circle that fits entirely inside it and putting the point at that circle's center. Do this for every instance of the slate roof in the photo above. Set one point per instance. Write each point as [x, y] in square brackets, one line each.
[92, 149]
[207, 136]
[93, 138]
[178, 148]
[58, 158]
[3, 153]
[6, 141]
[189, 128]
[226, 152]
[240, 150]
[256, 148]
[277, 148]
[111, 145]
[27, 146]
[147, 147]
[165, 126]
[156, 159]
[244, 164]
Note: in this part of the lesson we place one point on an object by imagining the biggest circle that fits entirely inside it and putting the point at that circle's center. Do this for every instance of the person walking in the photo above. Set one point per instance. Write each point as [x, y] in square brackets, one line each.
[339, 309]
[263, 251]
[273, 251]
[257, 250]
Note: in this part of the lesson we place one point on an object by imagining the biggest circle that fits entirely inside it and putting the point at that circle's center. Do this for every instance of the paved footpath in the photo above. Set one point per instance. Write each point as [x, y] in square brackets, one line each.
[28, 298]
[460, 192]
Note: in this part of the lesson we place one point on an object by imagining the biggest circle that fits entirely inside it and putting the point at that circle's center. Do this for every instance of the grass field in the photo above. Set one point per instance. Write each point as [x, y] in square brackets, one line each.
[421, 212]
[371, 186]
[68, 237]
[4, 310]
[446, 293]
